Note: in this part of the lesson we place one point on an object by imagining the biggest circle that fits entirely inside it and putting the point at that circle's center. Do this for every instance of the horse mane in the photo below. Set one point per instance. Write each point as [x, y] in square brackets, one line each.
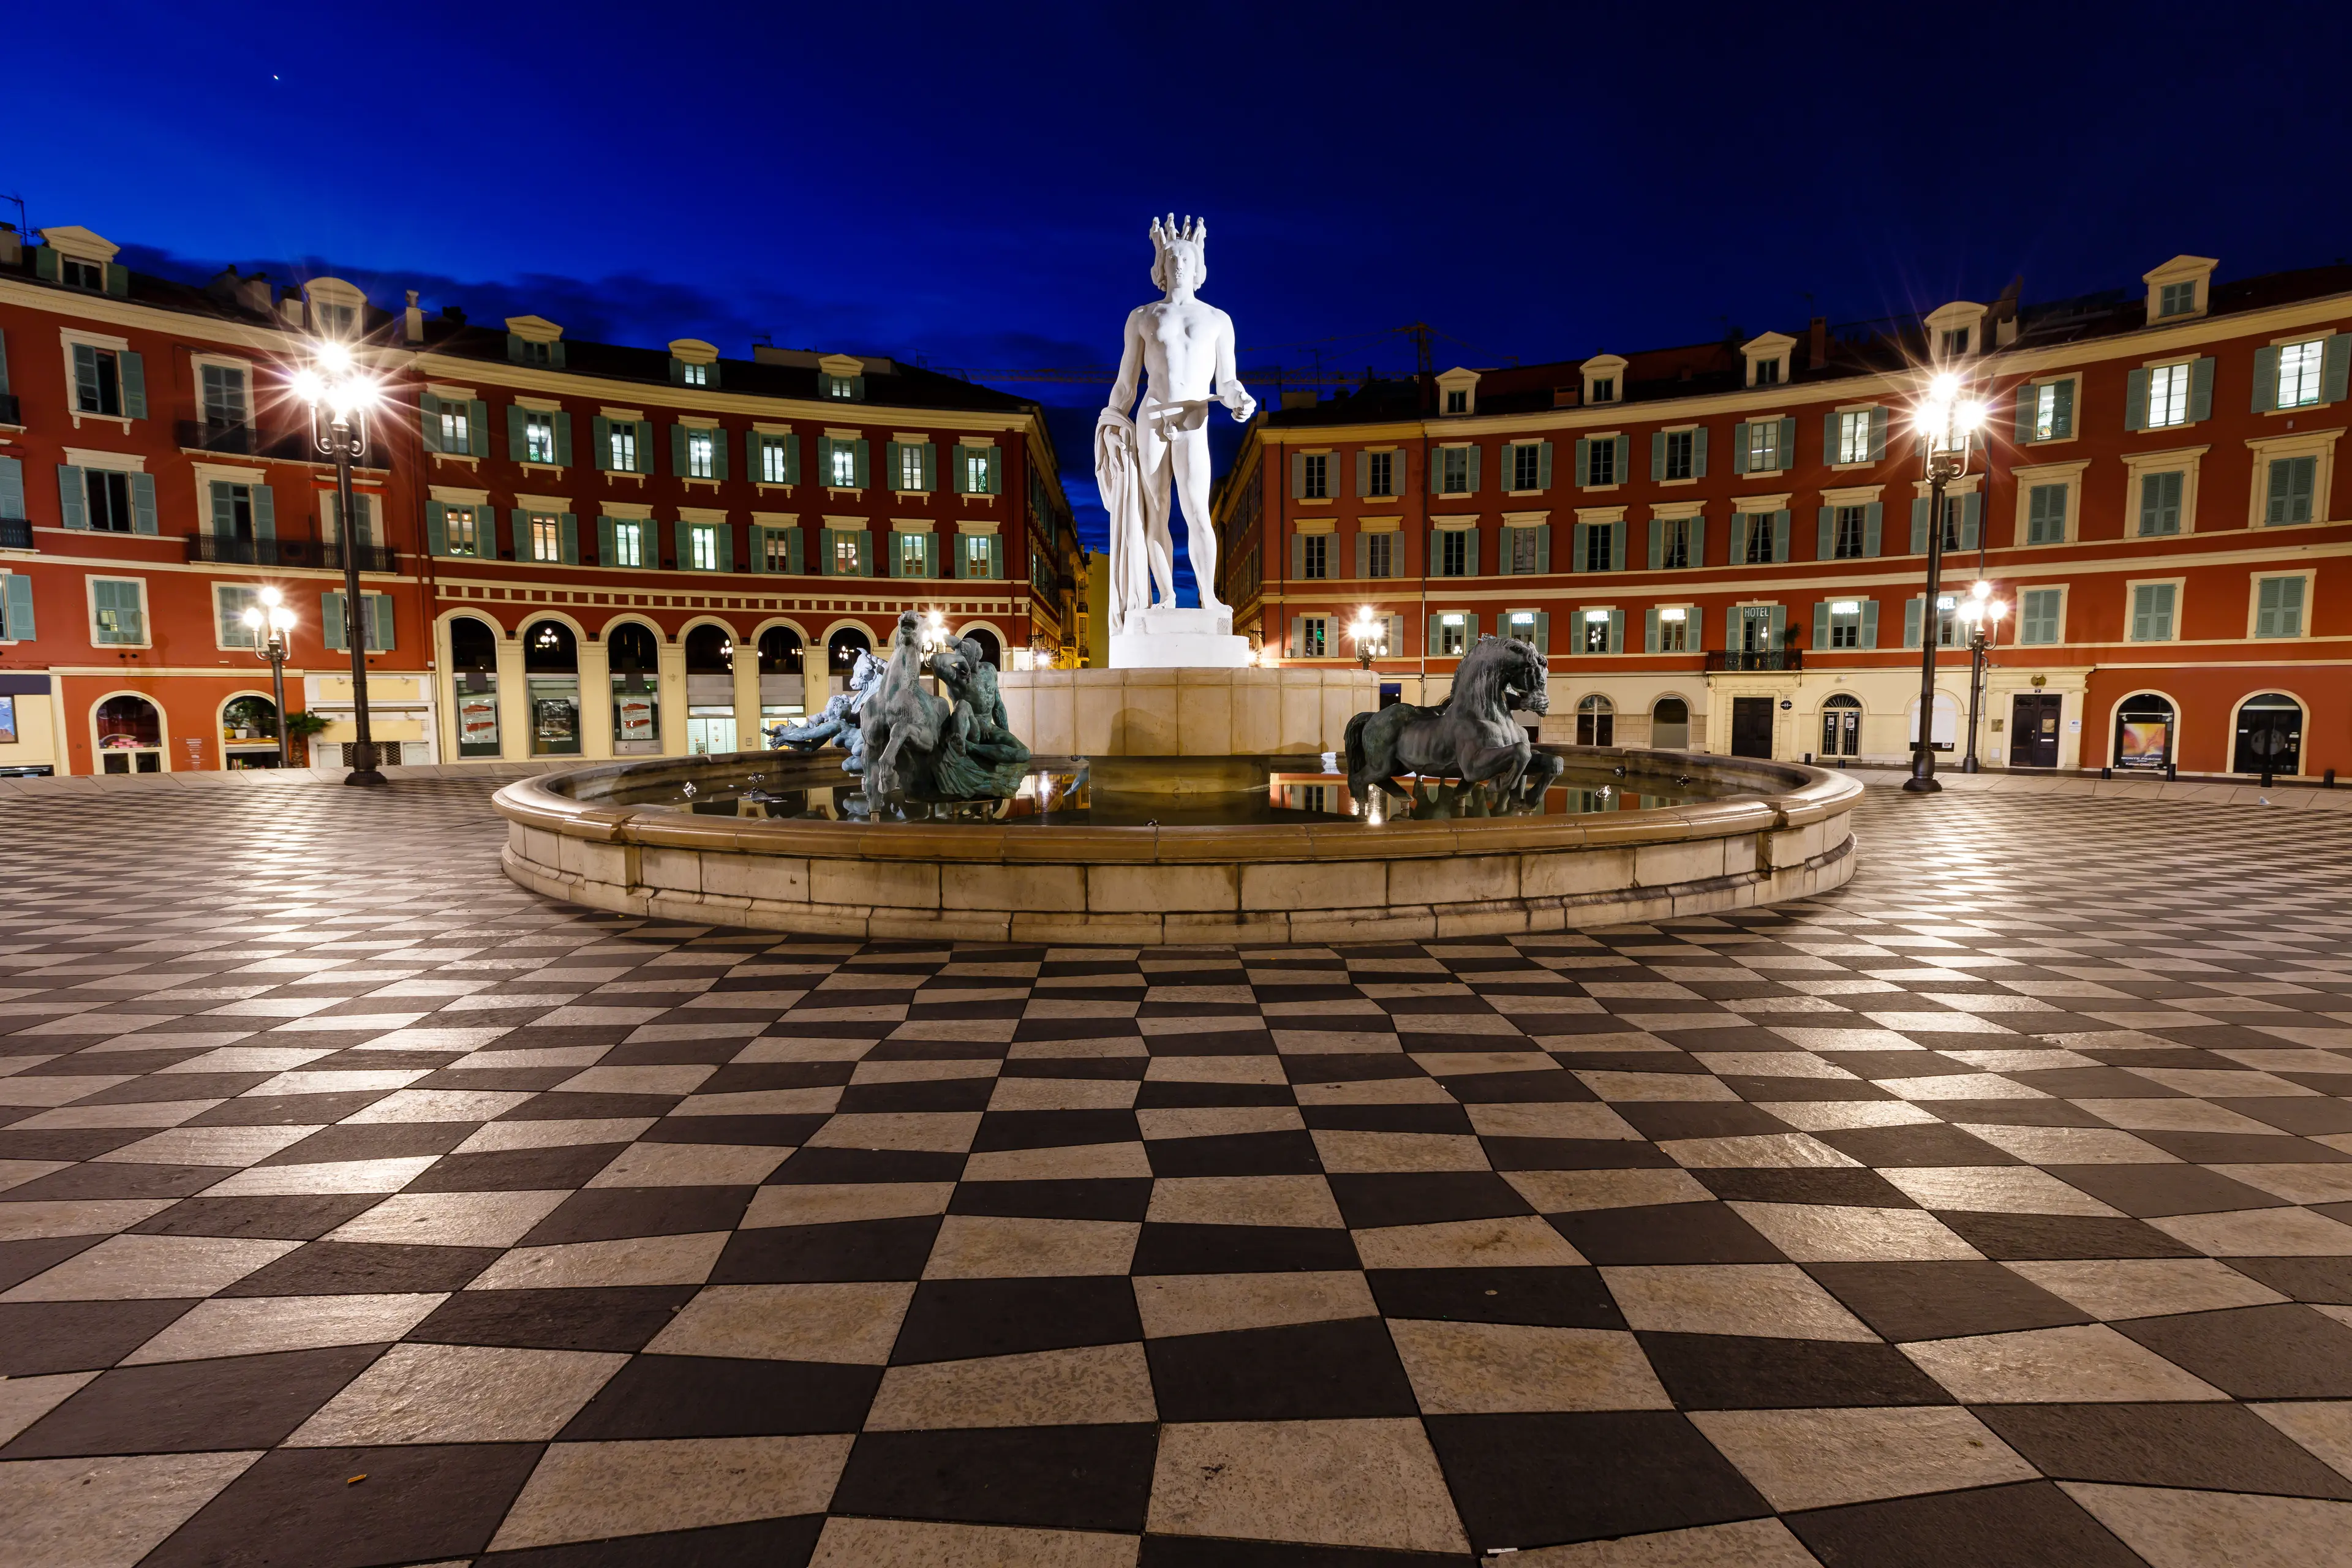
[1480, 679]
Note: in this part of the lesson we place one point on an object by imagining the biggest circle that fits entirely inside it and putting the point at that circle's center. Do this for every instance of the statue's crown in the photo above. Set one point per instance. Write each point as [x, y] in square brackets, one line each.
[1166, 232]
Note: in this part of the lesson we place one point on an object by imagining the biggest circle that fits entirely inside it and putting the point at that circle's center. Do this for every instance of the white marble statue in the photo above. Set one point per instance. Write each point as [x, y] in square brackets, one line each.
[1183, 348]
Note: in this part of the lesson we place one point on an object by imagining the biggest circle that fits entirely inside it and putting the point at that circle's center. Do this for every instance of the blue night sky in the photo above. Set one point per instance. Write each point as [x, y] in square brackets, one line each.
[970, 184]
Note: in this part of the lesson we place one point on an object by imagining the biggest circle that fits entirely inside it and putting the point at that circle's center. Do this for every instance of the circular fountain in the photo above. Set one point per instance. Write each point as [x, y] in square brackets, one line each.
[1136, 851]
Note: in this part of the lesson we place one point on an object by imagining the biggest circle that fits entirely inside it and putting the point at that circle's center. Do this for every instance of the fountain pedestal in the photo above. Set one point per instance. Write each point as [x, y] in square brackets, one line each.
[1179, 639]
[1187, 712]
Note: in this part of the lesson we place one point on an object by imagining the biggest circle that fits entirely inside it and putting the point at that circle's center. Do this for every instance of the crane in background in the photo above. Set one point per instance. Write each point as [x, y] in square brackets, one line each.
[1279, 375]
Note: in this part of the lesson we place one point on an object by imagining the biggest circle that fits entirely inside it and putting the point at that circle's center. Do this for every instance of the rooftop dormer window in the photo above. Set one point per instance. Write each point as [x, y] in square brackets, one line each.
[694, 375]
[1457, 391]
[1768, 373]
[1955, 342]
[841, 387]
[76, 273]
[1767, 358]
[1957, 330]
[2177, 290]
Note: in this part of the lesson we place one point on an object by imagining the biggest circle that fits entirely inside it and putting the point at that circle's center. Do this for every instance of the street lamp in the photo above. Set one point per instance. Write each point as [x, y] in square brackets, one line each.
[1947, 426]
[340, 394]
[1371, 637]
[271, 621]
[1981, 613]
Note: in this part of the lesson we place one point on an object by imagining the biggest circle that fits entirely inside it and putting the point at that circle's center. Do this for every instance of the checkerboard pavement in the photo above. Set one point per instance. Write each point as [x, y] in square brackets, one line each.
[362, 1209]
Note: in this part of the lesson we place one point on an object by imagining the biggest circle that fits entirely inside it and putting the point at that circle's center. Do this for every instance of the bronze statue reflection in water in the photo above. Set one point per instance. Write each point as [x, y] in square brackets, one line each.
[1469, 737]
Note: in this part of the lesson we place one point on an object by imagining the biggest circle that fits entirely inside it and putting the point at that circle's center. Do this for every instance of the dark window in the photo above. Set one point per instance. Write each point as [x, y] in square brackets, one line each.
[1678, 453]
[1849, 542]
[1380, 473]
[1380, 555]
[1600, 462]
[1523, 550]
[1526, 467]
[1315, 476]
[1674, 543]
[1457, 401]
[1598, 540]
[78, 274]
[1315, 556]
[109, 500]
[1454, 553]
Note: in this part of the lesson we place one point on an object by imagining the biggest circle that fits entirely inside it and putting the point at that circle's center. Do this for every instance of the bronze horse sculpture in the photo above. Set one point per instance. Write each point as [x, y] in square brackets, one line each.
[1469, 736]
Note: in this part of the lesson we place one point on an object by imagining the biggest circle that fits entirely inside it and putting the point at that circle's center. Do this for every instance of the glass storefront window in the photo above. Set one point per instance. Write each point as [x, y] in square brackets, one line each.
[554, 716]
[709, 731]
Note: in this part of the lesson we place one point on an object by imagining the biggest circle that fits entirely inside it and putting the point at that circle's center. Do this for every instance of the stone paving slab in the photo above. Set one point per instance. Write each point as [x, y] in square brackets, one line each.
[358, 1208]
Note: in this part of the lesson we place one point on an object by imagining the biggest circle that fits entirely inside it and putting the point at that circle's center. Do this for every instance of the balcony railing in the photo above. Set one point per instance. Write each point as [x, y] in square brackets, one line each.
[1737, 659]
[323, 553]
[16, 533]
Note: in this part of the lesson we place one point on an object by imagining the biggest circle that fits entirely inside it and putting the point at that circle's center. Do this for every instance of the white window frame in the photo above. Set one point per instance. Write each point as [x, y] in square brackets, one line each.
[1683, 615]
[1773, 350]
[68, 339]
[146, 612]
[1779, 459]
[2138, 464]
[2045, 391]
[2314, 363]
[2319, 444]
[547, 535]
[1457, 620]
[1587, 618]
[1850, 420]
[628, 542]
[702, 452]
[199, 362]
[1851, 619]
[1445, 451]
[1604, 379]
[2310, 581]
[702, 547]
[1670, 432]
[249, 596]
[2179, 373]
[2132, 586]
[2070, 475]
[474, 513]
[621, 441]
[1593, 444]
[1394, 457]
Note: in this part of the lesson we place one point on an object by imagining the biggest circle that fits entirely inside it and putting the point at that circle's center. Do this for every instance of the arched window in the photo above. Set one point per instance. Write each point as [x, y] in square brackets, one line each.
[632, 650]
[635, 660]
[1596, 721]
[843, 648]
[473, 646]
[2270, 735]
[989, 648]
[2144, 737]
[1670, 724]
[709, 651]
[474, 673]
[550, 648]
[780, 651]
[1842, 726]
[130, 735]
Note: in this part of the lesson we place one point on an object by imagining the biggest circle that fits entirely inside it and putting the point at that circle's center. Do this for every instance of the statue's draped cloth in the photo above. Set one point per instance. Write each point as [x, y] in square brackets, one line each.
[1119, 476]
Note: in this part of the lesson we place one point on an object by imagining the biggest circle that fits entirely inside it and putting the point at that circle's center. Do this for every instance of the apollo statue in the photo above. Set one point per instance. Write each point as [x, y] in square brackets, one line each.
[1182, 347]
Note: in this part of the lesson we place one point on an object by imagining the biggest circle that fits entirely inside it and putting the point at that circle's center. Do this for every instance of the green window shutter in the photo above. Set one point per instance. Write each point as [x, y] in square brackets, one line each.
[1740, 523]
[792, 458]
[2142, 616]
[436, 527]
[514, 349]
[142, 504]
[19, 628]
[722, 441]
[645, 447]
[134, 370]
[2266, 361]
[1470, 629]
[1872, 516]
[890, 464]
[1971, 519]
[2061, 417]
[118, 280]
[519, 439]
[894, 549]
[1471, 457]
[1740, 448]
[864, 481]
[931, 467]
[1877, 435]
[1583, 463]
[567, 527]
[1543, 464]
[1698, 453]
[44, 262]
[264, 512]
[1297, 557]
[758, 540]
[2267, 607]
[2201, 391]
[332, 625]
[1649, 631]
[1623, 469]
[2336, 368]
[2136, 400]
[2028, 398]
[3, 361]
[727, 547]
[1364, 553]
[1869, 623]
[794, 550]
[1657, 548]
[1825, 538]
[600, 431]
[1788, 447]
[1616, 546]
[1657, 457]
[677, 370]
[1616, 630]
[1911, 622]
[604, 539]
[73, 500]
[519, 535]
[1780, 534]
[1543, 547]
[562, 438]
[428, 421]
[1731, 628]
[1919, 525]
[681, 536]
[1698, 541]
[1579, 545]
[12, 488]
[678, 451]
[555, 354]
[85, 384]
[931, 555]
[1363, 471]
[477, 428]
[824, 559]
[1821, 626]
[224, 509]
[996, 556]
[1297, 476]
[380, 634]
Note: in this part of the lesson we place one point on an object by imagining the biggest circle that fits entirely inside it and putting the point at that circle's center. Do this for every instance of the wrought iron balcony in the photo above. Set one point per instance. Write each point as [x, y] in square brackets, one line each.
[16, 533]
[1746, 659]
[286, 553]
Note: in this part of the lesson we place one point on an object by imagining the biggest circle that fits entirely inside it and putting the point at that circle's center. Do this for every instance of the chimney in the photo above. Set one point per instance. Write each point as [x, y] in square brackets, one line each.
[414, 323]
[290, 306]
[1820, 350]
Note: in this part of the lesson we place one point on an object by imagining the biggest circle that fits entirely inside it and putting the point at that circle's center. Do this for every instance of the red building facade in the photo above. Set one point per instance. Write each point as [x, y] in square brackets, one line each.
[1723, 546]
[567, 548]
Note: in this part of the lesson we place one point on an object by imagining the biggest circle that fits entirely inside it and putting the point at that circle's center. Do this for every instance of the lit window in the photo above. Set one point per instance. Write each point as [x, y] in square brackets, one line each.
[845, 465]
[1312, 630]
[840, 387]
[337, 321]
[910, 468]
[844, 555]
[628, 544]
[1315, 476]
[1453, 636]
[1845, 622]
[539, 438]
[976, 468]
[1853, 435]
[460, 531]
[694, 375]
[1674, 631]
[2300, 372]
[1763, 446]
[913, 555]
[1380, 555]
[625, 448]
[776, 548]
[1947, 620]
[701, 455]
[1596, 630]
[1380, 473]
[456, 435]
[772, 462]
[2151, 611]
[2167, 395]
[2176, 299]
[1680, 445]
[702, 547]
[1315, 556]
[546, 538]
[2048, 425]
[977, 555]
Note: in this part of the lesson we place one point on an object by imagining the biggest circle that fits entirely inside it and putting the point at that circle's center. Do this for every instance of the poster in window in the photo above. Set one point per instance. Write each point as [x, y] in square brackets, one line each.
[477, 721]
[7, 720]
[636, 717]
[555, 719]
[2143, 743]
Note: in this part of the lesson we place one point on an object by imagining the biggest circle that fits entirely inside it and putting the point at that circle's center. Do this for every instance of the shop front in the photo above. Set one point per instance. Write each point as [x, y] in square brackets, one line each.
[551, 663]
[636, 691]
[249, 732]
[474, 686]
[129, 734]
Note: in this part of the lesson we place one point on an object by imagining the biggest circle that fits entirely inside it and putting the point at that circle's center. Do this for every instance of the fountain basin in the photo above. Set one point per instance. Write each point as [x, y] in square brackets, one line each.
[631, 837]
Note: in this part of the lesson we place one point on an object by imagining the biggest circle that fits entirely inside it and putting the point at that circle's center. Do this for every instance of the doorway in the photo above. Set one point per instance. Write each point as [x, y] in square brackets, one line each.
[1751, 727]
[2270, 735]
[2033, 729]
[1842, 726]
[2144, 732]
[1670, 724]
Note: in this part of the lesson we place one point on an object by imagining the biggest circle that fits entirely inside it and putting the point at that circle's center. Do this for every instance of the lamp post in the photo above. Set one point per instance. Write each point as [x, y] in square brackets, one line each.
[340, 394]
[1947, 426]
[1371, 637]
[271, 621]
[1981, 613]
